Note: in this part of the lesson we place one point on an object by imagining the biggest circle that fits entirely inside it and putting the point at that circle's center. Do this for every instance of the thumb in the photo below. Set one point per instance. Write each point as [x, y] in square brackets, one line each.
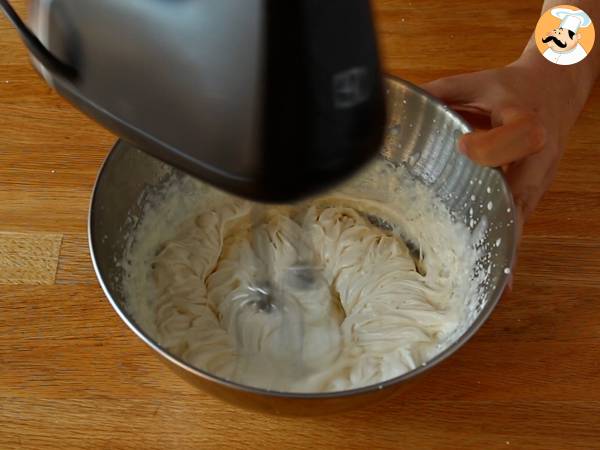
[458, 89]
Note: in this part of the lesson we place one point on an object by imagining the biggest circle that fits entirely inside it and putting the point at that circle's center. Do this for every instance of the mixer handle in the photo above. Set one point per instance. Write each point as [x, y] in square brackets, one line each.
[35, 46]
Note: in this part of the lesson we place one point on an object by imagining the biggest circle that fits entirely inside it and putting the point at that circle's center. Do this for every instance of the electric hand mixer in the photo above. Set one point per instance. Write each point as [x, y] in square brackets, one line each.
[271, 100]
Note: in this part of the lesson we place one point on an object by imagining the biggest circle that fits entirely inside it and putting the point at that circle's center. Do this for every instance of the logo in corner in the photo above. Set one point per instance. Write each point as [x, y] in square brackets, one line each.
[565, 35]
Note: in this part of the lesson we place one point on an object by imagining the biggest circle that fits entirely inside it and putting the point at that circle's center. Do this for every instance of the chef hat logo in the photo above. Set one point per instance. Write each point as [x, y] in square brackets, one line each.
[565, 35]
[571, 20]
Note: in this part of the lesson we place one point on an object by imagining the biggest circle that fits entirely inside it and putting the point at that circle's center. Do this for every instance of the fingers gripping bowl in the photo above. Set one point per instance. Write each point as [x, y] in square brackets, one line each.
[421, 141]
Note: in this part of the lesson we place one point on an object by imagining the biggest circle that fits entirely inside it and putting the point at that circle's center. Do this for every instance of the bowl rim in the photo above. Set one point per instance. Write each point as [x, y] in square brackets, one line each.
[439, 358]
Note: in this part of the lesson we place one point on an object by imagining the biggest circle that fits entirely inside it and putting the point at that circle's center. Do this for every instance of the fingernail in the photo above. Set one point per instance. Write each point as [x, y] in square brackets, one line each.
[462, 147]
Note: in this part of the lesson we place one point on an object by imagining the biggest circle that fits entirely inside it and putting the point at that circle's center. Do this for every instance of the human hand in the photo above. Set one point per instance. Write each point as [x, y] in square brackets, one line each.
[530, 107]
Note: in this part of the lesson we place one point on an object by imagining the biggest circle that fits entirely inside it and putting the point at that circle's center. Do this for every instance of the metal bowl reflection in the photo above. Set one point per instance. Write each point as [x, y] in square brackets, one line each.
[422, 135]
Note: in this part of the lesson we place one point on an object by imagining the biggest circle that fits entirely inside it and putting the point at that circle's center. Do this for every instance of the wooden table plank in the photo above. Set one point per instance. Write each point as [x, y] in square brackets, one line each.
[73, 376]
[196, 422]
[75, 264]
[29, 258]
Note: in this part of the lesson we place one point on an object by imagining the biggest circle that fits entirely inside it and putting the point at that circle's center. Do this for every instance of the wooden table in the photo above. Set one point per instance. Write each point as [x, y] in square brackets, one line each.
[73, 376]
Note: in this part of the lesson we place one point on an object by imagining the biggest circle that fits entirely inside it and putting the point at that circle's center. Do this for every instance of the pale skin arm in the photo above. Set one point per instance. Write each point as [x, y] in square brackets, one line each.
[532, 105]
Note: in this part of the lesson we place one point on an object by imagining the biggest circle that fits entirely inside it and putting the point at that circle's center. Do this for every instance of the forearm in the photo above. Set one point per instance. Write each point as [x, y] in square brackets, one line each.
[574, 82]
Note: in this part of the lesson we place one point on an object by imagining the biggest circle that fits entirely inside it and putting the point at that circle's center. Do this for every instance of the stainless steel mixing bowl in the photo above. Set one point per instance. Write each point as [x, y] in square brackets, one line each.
[422, 135]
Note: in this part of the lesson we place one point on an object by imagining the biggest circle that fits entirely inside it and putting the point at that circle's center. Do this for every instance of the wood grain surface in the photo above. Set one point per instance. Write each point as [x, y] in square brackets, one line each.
[73, 376]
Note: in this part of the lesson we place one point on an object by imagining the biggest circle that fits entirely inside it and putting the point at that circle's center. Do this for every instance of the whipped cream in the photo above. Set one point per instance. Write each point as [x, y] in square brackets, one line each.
[397, 284]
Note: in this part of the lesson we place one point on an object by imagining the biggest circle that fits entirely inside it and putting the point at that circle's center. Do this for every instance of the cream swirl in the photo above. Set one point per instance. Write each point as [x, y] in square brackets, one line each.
[383, 312]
